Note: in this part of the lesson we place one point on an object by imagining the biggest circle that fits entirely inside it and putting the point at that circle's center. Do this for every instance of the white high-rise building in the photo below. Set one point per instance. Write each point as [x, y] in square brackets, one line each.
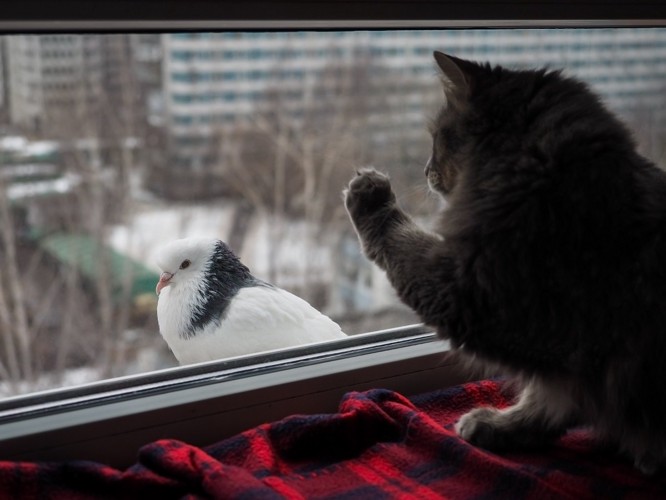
[212, 80]
[52, 79]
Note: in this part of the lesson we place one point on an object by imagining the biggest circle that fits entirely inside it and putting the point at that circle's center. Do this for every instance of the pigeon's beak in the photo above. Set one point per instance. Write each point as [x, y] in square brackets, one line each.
[165, 280]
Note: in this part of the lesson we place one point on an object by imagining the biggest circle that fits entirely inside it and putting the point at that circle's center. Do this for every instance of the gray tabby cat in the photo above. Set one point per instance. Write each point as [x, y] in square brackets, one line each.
[549, 261]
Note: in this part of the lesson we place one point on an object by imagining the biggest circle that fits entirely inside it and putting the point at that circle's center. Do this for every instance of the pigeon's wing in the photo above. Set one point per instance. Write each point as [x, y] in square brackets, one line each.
[318, 326]
[262, 318]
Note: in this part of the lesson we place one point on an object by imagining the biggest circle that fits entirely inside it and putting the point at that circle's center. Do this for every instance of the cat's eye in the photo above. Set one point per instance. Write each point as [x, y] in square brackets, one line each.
[185, 264]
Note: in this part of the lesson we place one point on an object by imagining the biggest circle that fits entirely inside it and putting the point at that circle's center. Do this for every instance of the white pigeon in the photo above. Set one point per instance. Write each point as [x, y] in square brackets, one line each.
[211, 307]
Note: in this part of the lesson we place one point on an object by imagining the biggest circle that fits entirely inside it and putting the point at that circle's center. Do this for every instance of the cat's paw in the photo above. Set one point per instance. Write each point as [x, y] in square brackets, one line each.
[651, 459]
[648, 465]
[478, 428]
[368, 192]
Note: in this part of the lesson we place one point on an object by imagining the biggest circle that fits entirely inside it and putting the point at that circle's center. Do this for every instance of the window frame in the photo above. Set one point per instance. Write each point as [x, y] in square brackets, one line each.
[34, 16]
[109, 420]
[206, 402]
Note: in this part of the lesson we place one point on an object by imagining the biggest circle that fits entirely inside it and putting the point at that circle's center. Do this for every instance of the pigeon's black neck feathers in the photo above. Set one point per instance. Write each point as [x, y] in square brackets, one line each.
[223, 278]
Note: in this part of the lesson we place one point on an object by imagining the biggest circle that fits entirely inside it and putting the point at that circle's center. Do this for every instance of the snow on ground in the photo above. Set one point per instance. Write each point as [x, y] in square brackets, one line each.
[290, 253]
[61, 185]
[72, 377]
[155, 225]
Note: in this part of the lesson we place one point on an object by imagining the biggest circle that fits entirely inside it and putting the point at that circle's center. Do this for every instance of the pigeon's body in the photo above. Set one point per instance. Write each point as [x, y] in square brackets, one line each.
[211, 307]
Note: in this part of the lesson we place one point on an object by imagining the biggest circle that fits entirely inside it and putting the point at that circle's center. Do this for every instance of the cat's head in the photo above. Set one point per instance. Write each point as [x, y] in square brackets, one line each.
[496, 115]
[452, 143]
[497, 120]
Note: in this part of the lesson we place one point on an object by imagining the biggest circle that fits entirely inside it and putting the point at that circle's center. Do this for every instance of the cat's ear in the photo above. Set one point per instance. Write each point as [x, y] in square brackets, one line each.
[457, 72]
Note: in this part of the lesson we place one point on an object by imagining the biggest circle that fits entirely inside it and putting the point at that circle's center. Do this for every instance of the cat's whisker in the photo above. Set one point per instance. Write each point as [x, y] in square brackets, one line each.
[420, 197]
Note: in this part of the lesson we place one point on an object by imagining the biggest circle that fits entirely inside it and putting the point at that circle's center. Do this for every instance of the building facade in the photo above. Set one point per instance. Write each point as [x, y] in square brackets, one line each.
[53, 80]
[213, 80]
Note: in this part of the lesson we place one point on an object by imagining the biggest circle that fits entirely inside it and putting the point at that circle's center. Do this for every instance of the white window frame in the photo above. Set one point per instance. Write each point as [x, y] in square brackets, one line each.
[109, 420]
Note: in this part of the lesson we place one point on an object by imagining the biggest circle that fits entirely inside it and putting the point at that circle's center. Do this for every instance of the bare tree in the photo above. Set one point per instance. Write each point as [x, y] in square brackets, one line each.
[56, 313]
[648, 126]
[293, 156]
[17, 362]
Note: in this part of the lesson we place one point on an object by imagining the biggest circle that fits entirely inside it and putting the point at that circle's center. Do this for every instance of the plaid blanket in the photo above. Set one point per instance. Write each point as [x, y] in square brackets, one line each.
[380, 444]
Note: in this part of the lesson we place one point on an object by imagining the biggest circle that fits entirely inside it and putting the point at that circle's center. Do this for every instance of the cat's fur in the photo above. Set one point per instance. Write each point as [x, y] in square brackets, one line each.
[550, 259]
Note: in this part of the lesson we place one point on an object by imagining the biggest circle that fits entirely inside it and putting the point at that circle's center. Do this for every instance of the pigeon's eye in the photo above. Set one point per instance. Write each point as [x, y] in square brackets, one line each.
[185, 264]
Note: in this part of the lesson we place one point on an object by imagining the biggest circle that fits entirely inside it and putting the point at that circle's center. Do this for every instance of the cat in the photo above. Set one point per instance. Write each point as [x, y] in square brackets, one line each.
[549, 259]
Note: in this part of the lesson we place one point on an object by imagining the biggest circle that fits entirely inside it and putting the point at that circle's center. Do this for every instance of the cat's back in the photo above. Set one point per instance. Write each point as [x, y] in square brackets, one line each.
[558, 225]
[545, 148]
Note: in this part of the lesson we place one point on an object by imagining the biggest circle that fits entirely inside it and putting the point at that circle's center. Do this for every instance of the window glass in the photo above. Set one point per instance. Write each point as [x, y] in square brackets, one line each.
[113, 145]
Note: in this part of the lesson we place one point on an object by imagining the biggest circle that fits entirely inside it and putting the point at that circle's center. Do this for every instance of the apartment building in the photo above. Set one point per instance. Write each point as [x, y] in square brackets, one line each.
[53, 80]
[214, 80]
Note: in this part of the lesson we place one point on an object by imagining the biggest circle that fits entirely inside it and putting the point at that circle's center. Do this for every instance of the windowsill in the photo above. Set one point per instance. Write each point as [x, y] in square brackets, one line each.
[200, 404]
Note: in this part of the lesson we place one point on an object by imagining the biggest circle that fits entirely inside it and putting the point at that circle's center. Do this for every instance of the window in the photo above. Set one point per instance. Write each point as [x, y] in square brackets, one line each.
[156, 399]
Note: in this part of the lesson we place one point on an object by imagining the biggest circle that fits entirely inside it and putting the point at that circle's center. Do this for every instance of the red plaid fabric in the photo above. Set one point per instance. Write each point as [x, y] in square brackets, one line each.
[380, 444]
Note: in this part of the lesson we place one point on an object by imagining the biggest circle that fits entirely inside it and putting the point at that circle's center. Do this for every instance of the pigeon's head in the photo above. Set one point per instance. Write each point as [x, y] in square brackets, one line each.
[185, 260]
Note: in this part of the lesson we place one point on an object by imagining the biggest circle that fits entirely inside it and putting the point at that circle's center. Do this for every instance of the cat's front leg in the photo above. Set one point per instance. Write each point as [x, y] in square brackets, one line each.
[373, 210]
[407, 253]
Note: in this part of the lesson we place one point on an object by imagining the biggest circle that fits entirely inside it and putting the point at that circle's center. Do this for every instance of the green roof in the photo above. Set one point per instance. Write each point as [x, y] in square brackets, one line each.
[83, 253]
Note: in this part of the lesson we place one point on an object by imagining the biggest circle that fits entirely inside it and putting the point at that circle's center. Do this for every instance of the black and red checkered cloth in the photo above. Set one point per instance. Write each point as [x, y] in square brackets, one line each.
[380, 444]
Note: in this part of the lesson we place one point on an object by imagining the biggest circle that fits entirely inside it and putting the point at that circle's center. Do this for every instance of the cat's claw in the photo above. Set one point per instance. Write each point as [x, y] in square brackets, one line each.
[368, 191]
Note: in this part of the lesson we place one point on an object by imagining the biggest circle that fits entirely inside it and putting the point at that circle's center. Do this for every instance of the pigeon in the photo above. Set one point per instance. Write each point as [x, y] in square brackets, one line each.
[210, 306]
